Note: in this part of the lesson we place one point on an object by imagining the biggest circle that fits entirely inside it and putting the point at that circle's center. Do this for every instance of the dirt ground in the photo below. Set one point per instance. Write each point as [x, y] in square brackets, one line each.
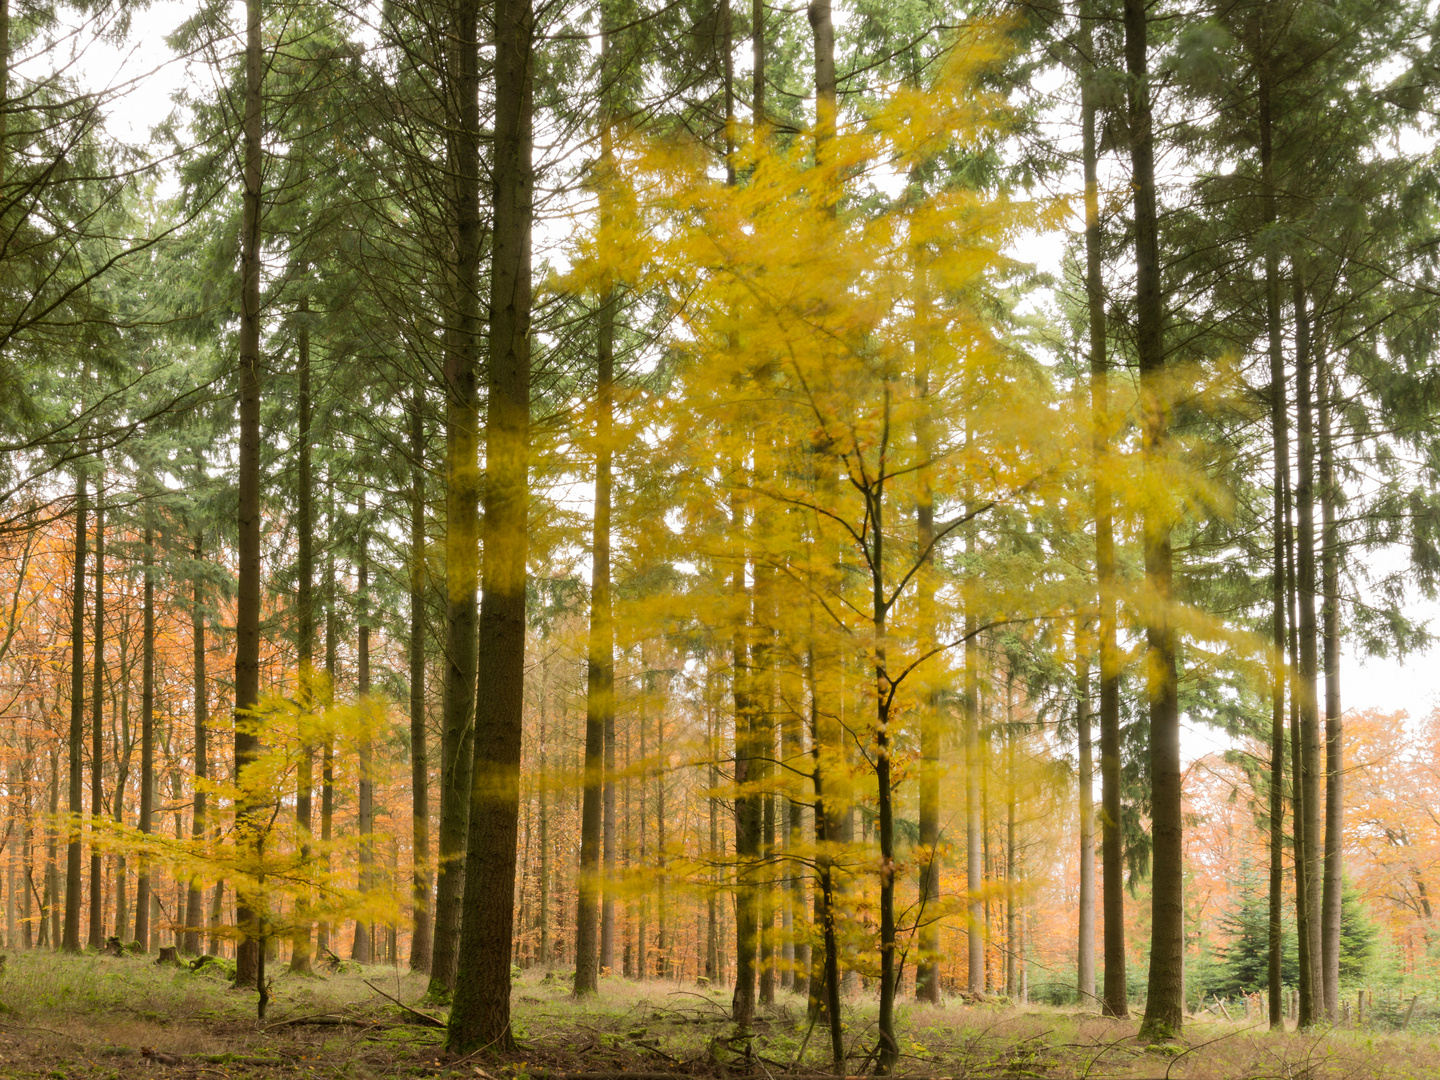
[96, 1017]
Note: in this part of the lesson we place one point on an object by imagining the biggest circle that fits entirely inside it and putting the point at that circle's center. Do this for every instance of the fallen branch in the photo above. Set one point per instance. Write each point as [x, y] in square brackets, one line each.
[425, 1018]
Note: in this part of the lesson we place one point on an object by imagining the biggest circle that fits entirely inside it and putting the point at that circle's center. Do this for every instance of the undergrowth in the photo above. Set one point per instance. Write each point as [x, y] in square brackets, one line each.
[97, 1017]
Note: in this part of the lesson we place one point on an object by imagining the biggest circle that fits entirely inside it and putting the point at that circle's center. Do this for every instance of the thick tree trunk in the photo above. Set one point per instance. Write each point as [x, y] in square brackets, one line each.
[462, 495]
[97, 719]
[147, 741]
[1330, 903]
[71, 941]
[480, 1016]
[249, 814]
[1164, 1003]
[420, 940]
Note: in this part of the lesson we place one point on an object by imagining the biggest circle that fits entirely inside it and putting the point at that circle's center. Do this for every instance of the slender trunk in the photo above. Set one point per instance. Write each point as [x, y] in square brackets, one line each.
[974, 855]
[544, 815]
[195, 900]
[1330, 904]
[602, 634]
[300, 953]
[327, 752]
[1312, 1005]
[1085, 946]
[147, 741]
[97, 718]
[481, 1012]
[420, 940]
[122, 780]
[50, 928]
[77, 724]
[249, 813]
[1115, 996]
[599, 794]
[363, 949]
[927, 966]
[888, 1052]
[1280, 437]
[1012, 951]
[1298, 787]
[1164, 1004]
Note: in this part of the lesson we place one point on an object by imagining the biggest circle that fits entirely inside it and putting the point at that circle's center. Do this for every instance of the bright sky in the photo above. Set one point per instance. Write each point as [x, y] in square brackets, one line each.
[1386, 684]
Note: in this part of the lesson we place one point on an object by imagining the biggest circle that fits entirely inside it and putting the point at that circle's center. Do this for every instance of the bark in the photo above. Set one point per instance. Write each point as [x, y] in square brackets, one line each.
[602, 634]
[599, 793]
[888, 1052]
[147, 741]
[1164, 1003]
[420, 940]
[462, 495]
[480, 1016]
[71, 941]
[1312, 1003]
[195, 900]
[747, 805]
[1299, 794]
[363, 949]
[300, 952]
[327, 759]
[544, 816]
[1330, 903]
[97, 718]
[1280, 438]
[1085, 944]
[249, 814]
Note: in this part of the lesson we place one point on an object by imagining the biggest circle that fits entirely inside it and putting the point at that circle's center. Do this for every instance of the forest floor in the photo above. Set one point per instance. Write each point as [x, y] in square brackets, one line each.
[93, 1017]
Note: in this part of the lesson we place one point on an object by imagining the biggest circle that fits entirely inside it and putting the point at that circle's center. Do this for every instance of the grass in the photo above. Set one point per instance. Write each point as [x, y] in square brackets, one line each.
[96, 1017]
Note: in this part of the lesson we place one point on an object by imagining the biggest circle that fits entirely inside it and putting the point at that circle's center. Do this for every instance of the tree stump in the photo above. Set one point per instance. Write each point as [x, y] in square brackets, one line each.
[114, 947]
[169, 955]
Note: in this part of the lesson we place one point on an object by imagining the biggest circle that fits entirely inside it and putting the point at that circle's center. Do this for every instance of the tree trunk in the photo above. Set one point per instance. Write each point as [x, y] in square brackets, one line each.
[927, 965]
[888, 1052]
[1085, 943]
[147, 741]
[195, 900]
[363, 949]
[481, 1013]
[1115, 996]
[1280, 437]
[599, 794]
[300, 954]
[249, 814]
[77, 725]
[97, 718]
[327, 759]
[462, 496]
[1330, 904]
[420, 940]
[1164, 1003]
[1312, 989]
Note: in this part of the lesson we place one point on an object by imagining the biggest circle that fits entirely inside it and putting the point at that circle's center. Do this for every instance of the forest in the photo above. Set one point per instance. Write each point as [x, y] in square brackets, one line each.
[689, 538]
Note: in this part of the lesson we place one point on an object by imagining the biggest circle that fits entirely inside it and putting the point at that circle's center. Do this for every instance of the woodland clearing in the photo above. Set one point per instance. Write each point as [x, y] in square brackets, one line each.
[106, 1017]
